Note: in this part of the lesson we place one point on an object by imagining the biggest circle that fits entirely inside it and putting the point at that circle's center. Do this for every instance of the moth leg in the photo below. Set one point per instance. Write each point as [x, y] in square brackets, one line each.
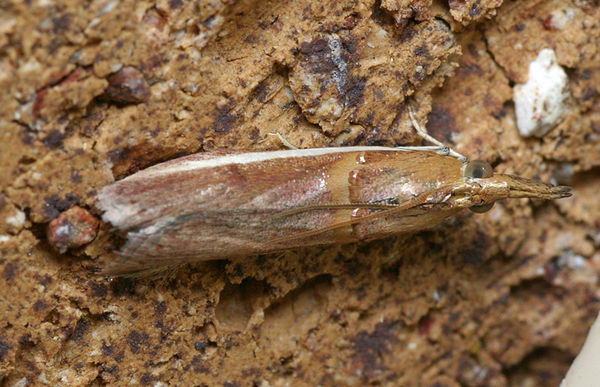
[423, 133]
[398, 208]
[283, 141]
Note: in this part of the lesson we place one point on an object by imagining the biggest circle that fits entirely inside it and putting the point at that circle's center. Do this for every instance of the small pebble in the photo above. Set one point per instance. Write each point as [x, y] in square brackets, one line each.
[127, 85]
[72, 228]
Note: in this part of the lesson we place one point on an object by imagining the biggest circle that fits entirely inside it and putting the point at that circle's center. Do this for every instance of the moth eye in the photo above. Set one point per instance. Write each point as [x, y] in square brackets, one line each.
[482, 208]
[478, 169]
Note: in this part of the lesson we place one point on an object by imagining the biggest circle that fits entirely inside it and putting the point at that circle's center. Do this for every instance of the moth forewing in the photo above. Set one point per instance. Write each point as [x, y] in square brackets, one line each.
[204, 207]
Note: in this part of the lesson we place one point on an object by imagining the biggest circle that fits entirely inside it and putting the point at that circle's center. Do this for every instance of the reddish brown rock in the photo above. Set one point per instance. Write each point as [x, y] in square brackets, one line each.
[127, 86]
[74, 227]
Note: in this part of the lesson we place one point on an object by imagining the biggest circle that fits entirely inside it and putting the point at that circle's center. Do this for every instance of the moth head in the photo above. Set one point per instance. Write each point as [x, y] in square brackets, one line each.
[482, 187]
[479, 169]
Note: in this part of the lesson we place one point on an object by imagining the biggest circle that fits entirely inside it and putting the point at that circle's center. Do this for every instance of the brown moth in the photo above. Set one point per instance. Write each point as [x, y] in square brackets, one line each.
[216, 206]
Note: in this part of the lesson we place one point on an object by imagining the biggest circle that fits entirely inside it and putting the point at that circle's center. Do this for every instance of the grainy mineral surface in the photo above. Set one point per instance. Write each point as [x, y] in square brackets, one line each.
[94, 91]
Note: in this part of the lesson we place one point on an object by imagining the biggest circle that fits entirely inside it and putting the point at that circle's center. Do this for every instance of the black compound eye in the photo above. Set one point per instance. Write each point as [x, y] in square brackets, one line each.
[482, 208]
[478, 169]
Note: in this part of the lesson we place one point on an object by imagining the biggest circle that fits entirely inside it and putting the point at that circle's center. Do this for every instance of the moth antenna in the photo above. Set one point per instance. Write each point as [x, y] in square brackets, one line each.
[372, 206]
[400, 207]
[123, 269]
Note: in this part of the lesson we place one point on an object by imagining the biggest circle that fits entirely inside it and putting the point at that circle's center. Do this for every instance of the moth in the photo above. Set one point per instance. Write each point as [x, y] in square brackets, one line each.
[210, 206]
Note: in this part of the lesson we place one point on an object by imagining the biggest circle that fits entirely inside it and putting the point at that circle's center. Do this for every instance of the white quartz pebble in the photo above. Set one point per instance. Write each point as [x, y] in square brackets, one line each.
[585, 370]
[540, 102]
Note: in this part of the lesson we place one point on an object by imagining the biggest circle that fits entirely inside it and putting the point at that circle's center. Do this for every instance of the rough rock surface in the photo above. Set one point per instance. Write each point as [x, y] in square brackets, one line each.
[94, 92]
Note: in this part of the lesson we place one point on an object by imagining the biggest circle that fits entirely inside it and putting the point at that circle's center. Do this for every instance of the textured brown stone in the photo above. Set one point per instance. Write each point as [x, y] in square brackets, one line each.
[500, 299]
